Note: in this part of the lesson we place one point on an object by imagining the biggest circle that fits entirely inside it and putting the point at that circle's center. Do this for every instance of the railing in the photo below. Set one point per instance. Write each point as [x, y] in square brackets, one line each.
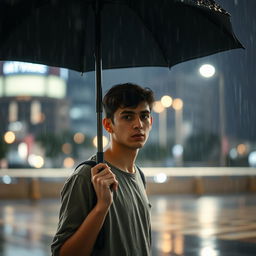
[38, 183]
[148, 171]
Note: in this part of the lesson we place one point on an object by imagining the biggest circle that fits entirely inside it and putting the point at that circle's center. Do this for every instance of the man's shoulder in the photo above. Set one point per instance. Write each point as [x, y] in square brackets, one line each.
[78, 184]
[81, 175]
[84, 169]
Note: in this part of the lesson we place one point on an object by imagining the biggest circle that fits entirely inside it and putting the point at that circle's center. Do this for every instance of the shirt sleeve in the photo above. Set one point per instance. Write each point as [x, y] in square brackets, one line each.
[76, 203]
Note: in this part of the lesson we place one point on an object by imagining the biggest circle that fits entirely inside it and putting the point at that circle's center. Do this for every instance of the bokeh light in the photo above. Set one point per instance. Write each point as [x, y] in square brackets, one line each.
[79, 138]
[68, 162]
[252, 159]
[158, 107]
[160, 178]
[104, 141]
[207, 70]
[241, 149]
[166, 101]
[177, 150]
[23, 150]
[36, 161]
[66, 148]
[7, 179]
[9, 137]
[177, 104]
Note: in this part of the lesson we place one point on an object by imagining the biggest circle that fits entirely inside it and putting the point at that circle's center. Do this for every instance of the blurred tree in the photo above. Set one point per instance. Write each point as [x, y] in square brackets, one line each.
[3, 148]
[202, 147]
[58, 146]
[51, 143]
[241, 161]
[152, 152]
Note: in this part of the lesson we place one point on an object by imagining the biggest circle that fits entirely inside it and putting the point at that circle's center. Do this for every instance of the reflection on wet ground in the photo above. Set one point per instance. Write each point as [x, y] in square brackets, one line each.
[204, 226]
[181, 225]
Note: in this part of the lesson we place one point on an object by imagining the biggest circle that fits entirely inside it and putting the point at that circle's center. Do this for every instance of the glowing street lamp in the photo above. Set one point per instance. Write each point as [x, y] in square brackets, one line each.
[178, 107]
[208, 71]
[177, 104]
[166, 101]
[160, 108]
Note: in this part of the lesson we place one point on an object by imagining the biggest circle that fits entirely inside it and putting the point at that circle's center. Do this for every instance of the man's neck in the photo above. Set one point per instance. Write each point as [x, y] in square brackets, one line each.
[122, 158]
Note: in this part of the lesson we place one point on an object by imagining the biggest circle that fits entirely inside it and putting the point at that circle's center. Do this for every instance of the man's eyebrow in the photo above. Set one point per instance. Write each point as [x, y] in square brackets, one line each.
[133, 112]
[127, 112]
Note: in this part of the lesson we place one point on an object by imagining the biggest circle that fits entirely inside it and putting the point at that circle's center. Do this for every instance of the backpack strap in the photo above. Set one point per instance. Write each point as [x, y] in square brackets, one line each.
[100, 239]
[142, 176]
[92, 163]
[88, 162]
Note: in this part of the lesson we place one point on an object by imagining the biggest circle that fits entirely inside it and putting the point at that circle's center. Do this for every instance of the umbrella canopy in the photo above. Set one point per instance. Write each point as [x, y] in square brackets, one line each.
[121, 33]
[134, 33]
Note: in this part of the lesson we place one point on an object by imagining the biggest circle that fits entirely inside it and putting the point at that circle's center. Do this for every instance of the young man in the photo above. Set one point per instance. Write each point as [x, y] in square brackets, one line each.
[121, 209]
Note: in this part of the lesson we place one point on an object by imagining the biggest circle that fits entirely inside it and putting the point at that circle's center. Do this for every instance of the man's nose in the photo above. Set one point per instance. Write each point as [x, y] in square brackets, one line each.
[137, 123]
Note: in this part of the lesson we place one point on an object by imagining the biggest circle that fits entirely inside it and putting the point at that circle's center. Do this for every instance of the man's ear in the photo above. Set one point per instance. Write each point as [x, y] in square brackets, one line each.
[107, 123]
[151, 122]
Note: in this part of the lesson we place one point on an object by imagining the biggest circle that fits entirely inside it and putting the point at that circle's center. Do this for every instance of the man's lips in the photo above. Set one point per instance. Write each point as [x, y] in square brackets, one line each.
[138, 135]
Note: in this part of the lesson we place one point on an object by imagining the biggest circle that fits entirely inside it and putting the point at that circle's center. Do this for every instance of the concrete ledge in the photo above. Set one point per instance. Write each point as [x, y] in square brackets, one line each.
[47, 183]
[36, 189]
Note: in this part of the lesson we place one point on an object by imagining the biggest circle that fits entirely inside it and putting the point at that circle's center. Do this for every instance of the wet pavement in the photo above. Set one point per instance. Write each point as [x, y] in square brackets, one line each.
[181, 225]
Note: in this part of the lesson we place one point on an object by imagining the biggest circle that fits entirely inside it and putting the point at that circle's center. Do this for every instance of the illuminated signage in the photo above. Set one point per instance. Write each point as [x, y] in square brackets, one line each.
[34, 85]
[15, 67]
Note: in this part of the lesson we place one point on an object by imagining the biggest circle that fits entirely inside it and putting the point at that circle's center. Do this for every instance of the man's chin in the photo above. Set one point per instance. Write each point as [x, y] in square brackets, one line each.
[138, 145]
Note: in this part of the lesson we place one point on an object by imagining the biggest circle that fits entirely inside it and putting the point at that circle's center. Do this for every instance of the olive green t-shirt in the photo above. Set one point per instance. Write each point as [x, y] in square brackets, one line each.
[127, 229]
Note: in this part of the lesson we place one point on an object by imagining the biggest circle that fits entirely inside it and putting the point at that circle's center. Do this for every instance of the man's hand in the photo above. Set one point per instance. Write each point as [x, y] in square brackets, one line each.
[83, 239]
[103, 180]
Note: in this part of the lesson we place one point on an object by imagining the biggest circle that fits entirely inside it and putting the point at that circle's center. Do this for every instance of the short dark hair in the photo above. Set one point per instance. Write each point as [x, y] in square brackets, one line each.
[126, 95]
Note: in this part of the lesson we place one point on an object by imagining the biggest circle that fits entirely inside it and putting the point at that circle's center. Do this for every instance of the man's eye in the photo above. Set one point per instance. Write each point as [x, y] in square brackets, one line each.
[127, 117]
[144, 117]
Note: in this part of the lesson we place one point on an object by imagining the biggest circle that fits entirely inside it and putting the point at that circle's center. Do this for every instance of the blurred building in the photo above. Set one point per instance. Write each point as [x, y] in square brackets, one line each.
[81, 93]
[201, 103]
[32, 100]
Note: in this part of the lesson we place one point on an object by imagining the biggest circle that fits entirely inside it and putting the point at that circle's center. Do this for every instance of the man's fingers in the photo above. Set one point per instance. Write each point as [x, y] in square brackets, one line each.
[104, 172]
[98, 178]
[98, 168]
[115, 185]
[103, 176]
[107, 182]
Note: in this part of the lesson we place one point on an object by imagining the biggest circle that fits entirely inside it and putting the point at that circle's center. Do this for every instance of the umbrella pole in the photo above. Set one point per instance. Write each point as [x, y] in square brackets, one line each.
[98, 80]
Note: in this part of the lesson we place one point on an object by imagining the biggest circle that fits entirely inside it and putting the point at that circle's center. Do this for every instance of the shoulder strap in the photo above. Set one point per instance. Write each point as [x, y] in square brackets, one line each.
[142, 176]
[88, 162]
[100, 239]
[92, 163]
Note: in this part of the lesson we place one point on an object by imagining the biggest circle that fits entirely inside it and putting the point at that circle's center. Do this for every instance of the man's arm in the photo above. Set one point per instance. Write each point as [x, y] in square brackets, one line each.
[83, 240]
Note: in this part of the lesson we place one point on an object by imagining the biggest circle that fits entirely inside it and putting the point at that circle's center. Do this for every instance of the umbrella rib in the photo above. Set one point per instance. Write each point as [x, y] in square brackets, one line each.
[161, 50]
[150, 31]
[83, 44]
[156, 41]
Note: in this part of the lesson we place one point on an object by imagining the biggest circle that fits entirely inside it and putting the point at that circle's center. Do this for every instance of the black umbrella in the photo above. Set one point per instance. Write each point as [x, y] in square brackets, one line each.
[78, 34]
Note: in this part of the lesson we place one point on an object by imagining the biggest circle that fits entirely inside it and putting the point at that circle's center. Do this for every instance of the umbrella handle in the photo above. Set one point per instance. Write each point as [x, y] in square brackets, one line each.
[98, 80]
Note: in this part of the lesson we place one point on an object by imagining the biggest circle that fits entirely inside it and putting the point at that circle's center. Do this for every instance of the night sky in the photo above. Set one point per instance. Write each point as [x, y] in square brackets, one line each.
[239, 70]
[237, 66]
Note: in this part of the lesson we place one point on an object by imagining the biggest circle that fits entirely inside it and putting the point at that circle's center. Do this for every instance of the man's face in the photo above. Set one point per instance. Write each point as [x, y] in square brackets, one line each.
[131, 126]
